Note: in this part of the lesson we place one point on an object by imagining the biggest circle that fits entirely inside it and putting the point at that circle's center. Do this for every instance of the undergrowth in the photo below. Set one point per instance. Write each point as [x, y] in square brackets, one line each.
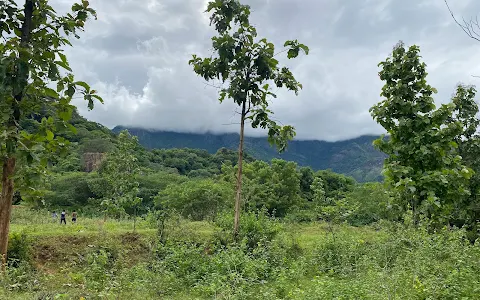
[270, 261]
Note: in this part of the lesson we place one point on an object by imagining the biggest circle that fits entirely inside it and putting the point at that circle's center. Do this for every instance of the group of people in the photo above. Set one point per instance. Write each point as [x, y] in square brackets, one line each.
[63, 217]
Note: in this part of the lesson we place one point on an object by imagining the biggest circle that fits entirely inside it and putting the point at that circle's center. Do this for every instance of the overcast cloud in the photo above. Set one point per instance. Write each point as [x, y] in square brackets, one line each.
[136, 54]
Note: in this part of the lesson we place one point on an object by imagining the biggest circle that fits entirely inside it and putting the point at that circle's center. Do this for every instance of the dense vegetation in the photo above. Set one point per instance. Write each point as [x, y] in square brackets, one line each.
[181, 259]
[282, 187]
[159, 223]
[355, 157]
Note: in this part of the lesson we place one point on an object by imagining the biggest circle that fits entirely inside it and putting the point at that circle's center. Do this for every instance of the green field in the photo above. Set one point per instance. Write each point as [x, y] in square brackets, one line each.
[302, 261]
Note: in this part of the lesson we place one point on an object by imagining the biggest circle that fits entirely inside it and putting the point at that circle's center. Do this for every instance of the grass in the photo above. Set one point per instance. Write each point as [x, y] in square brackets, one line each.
[304, 261]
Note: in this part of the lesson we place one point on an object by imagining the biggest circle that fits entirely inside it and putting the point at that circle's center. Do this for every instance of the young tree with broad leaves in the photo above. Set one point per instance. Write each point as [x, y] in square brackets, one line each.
[34, 73]
[424, 167]
[246, 65]
[120, 173]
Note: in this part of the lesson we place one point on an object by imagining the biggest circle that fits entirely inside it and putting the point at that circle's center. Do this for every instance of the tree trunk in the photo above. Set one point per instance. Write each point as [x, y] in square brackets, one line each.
[6, 206]
[238, 196]
[9, 162]
[134, 219]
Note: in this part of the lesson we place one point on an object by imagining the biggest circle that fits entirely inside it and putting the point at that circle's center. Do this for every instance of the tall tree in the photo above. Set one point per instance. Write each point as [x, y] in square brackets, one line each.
[245, 65]
[31, 77]
[120, 172]
[467, 212]
[424, 166]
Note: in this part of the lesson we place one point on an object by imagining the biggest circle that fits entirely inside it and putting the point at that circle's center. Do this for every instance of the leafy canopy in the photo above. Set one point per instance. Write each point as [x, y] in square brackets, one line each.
[120, 173]
[248, 67]
[35, 74]
[424, 166]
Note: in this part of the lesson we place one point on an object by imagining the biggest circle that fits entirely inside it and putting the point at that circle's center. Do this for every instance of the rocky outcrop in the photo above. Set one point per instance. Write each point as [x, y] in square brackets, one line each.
[92, 161]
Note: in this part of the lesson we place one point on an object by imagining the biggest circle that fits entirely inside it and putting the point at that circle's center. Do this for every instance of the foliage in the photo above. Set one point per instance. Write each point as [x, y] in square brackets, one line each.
[195, 162]
[335, 185]
[199, 199]
[247, 65]
[32, 62]
[69, 190]
[373, 203]
[275, 186]
[299, 262]
[257, 229]
[355, 157]
[31, 81]
[306, 179]
[424, 167]
[152, 183]
[120, 172]
[19, 249]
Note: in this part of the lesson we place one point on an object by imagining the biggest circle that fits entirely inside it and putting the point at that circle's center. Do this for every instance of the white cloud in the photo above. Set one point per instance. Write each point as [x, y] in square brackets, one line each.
[136, 54]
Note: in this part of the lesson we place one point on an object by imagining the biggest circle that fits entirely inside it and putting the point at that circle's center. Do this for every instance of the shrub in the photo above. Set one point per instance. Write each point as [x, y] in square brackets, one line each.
[19, 249]
[199, 199]
[255, 228]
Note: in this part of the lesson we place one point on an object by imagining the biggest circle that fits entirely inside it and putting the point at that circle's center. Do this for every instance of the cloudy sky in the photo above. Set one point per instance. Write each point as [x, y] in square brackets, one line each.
[136, 54]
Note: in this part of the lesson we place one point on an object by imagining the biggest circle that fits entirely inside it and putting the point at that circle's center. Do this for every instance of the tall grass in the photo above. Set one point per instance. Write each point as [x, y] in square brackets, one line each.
[196, 260]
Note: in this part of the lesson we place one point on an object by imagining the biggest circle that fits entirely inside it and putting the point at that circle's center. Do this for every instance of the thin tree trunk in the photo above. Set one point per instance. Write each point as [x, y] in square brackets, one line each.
[6, 206]
[134, 219]
[238, 196]
[9, 162]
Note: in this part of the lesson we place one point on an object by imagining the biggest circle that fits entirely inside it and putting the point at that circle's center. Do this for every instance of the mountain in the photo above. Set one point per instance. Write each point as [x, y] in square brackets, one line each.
[355, 157]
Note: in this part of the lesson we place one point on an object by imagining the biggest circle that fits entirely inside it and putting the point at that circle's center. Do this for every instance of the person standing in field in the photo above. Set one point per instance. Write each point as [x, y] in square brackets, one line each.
[74, 217]
[54, 216]
[62, 217]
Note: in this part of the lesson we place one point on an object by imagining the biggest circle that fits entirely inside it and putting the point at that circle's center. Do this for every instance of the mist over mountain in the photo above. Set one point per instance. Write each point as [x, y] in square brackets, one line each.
[354, 157]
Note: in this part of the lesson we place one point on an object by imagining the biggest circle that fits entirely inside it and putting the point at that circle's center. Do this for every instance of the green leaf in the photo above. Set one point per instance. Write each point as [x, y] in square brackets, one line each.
[304, 48]
[50, 135]
[72, 128]
[63, 57]
[100, 99]
[17, 32]
[51, 93]
[60, 86]
[63, 65]
[84, 85]
[70, 91]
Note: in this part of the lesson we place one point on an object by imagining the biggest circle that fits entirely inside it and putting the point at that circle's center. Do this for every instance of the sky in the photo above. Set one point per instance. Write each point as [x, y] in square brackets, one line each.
[136, 55]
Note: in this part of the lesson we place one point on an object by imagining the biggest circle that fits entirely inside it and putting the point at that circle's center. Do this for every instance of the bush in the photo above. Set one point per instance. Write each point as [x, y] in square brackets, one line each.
[255, 228]
[70, 190]
[373, 203]
[19, 249]
[199, 199]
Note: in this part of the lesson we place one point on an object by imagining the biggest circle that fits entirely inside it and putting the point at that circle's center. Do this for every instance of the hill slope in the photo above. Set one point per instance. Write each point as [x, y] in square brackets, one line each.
[355, 157]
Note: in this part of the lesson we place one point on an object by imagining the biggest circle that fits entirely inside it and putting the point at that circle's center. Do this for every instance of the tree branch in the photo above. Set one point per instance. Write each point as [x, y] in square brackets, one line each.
[467, 27]
[284, 50]
[212, 85]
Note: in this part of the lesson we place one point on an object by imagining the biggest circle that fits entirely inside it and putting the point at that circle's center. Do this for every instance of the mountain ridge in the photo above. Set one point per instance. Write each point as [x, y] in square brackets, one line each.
[353, 157]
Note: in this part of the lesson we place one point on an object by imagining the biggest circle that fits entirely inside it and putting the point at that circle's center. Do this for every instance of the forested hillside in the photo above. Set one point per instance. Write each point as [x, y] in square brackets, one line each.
[91, 213]
[355, 157]
[77, 183]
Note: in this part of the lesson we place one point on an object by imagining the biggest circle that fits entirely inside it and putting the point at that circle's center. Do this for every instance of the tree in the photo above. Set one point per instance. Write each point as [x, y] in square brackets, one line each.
[246, 65]
[306, 179]
[424, 167]
[467, 212]
[120, 173]
[198, 199]
[31, 61]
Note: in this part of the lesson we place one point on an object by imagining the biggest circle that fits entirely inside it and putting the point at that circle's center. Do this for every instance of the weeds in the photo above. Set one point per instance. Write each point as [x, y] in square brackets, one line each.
[197, 260]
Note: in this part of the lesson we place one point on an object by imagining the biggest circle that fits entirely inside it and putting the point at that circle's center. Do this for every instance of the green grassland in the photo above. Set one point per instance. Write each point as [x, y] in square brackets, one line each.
[195, 260]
